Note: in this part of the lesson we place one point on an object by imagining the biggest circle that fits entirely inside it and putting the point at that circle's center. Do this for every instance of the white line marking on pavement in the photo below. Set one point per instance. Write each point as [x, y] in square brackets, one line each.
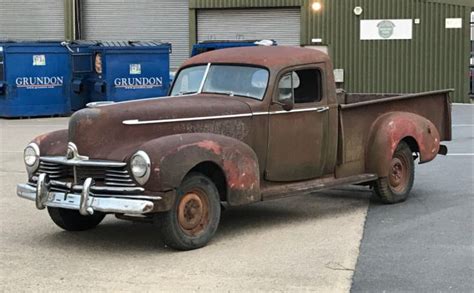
[462, 104]
[463, 125]
[461, 154]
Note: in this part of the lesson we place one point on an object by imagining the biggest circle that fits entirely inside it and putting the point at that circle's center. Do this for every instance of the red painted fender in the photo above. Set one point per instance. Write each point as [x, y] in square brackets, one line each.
[387, 132]
[175, 155]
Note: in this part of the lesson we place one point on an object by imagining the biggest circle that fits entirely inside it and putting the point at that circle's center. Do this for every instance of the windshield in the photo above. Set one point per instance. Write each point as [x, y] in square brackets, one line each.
[188, 80]
[230, 80]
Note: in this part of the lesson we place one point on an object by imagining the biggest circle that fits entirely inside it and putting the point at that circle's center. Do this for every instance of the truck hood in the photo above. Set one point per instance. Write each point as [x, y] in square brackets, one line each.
[116, 131]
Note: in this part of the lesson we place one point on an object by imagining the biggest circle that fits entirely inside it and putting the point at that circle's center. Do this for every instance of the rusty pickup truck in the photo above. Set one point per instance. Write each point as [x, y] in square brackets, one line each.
[240, 126]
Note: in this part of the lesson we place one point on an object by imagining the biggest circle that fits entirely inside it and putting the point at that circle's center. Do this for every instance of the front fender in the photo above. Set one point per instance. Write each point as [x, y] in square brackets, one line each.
[175, 155]
[52, 143]
[391, 128]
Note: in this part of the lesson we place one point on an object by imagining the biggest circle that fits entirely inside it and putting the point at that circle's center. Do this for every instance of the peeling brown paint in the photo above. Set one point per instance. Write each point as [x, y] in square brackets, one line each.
[53, 143]
[210, 145]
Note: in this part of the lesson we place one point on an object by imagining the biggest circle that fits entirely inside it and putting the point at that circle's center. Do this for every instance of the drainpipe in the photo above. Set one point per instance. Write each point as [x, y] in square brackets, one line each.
[72, 20]
[78, 19]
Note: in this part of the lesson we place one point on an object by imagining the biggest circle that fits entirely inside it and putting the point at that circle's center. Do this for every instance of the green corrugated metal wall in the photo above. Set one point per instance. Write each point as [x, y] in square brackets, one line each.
[435, 58]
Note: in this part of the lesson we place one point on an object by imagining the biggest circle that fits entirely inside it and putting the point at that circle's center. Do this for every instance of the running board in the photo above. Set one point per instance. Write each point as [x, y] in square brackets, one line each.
[280, 190]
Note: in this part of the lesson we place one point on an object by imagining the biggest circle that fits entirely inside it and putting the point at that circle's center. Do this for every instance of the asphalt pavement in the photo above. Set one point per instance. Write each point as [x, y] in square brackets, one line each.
[426, 244]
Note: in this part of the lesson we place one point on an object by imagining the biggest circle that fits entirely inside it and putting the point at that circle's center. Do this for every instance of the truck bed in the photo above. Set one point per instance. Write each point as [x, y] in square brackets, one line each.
[358, 112]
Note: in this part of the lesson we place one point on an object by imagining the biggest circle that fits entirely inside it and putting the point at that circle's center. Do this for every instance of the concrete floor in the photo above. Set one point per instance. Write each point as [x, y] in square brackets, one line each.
[305, 243]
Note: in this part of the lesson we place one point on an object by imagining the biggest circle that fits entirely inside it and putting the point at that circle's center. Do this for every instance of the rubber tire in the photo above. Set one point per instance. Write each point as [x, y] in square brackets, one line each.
[72, 220]
[382, 189]
[170, 231]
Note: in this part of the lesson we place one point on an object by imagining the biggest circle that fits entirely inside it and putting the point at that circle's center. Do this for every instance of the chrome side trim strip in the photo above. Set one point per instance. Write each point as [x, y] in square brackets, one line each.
[203, 118]
[295, 111]
[260, 113]
[138, 122]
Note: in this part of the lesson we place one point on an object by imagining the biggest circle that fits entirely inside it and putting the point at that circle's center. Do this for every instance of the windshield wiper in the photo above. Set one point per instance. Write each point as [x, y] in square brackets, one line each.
[186, 93]
[229, 93]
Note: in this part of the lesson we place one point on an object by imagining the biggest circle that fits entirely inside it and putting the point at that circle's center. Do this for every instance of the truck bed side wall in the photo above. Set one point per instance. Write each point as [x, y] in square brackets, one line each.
[356, 122]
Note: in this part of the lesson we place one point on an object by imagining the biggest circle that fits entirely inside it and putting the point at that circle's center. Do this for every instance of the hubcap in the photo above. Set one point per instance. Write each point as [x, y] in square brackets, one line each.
[193, 212]
[398, 174]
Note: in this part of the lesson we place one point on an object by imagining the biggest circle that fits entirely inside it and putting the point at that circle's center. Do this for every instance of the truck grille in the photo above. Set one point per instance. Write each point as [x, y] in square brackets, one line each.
[105, 176]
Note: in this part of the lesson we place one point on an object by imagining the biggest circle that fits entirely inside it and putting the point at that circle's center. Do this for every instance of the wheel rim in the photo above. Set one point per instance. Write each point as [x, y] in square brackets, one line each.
[398, 174]
[193, 212]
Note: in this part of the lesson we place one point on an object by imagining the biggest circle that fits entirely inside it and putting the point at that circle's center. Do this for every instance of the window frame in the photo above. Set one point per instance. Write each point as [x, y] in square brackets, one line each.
[210, 64]
[317, 66]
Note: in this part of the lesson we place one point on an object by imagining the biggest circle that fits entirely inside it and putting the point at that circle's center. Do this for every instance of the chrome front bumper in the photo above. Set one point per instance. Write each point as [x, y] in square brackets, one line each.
[85, 201]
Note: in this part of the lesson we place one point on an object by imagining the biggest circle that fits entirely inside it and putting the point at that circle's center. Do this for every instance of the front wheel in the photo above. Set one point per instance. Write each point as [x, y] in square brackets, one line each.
[195, 215]
[72, 220]
[396, 187]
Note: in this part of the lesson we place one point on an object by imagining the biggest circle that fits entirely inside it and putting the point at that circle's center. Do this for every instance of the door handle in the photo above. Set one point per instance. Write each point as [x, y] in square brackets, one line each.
[322, 109]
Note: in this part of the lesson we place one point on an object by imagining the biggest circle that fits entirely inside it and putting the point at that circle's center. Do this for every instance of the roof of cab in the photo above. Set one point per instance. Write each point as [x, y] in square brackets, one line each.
[272, 57]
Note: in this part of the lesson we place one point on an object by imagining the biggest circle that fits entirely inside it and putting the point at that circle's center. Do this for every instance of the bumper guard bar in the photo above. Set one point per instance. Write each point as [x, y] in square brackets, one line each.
[85, 202]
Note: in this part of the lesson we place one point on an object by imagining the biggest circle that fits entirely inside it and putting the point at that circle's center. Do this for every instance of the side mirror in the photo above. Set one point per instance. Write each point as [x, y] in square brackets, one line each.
[286, 88]
[286, 102]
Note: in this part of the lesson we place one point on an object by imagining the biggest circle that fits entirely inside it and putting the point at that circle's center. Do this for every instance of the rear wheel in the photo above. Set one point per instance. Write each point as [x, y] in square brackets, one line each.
[72, 220]
[195, 215]
[397, 186]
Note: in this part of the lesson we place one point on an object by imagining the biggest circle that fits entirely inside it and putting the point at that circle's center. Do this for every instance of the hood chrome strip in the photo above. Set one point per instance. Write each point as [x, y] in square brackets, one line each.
[138, 122]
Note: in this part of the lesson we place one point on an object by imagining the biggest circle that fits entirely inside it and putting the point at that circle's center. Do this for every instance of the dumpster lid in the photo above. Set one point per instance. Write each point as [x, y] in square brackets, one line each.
[119, 44]
[30, 42]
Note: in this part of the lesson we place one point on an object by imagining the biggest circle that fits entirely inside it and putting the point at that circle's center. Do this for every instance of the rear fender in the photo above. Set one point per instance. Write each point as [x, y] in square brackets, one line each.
[175, 156]
[389, 130]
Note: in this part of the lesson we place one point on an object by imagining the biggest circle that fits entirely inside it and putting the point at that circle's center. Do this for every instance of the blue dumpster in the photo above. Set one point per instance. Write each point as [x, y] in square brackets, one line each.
[206, 46]
[129, 70]
[34, 79]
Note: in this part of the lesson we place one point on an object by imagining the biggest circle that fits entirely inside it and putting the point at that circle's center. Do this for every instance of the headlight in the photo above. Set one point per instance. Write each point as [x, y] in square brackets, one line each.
[31, 156]
[140, 165]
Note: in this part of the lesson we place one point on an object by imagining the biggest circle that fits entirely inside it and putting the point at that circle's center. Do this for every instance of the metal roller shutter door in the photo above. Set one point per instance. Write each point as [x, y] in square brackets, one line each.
[282, 25]
[32, 19]
[164, 20]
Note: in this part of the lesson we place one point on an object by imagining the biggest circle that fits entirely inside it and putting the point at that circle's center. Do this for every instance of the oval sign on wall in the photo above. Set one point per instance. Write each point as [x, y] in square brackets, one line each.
[386, 29]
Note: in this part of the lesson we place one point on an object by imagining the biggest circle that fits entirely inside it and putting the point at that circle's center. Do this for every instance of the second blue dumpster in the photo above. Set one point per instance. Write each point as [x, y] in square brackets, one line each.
[129, 70]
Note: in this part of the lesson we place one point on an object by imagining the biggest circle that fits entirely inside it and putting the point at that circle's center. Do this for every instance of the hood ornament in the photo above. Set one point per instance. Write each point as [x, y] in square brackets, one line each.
[73, 153]
[99, 104]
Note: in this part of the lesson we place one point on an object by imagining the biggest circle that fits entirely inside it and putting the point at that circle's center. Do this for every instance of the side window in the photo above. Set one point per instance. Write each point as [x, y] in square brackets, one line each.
[310, 86]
